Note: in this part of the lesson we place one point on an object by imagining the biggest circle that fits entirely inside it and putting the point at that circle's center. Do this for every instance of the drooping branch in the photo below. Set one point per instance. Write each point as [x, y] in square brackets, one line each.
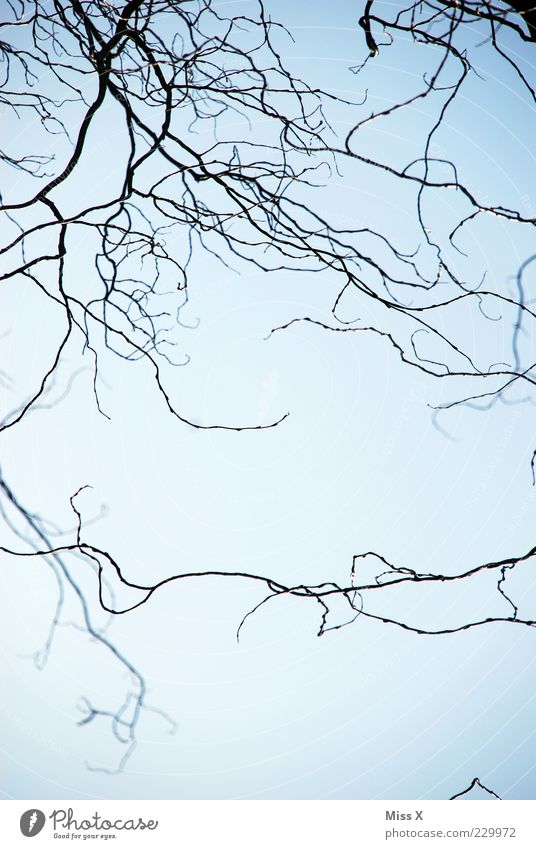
[125, 719]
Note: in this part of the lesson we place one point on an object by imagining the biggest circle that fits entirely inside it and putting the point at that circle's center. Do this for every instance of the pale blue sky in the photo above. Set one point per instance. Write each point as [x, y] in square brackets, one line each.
[365, 712]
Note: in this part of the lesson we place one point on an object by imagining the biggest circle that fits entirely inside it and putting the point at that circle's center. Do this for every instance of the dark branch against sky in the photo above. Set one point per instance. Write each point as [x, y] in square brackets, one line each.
[174, 78]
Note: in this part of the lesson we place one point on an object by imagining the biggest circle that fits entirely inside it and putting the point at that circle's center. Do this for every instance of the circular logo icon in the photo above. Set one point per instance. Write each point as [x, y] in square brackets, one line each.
[32, 822]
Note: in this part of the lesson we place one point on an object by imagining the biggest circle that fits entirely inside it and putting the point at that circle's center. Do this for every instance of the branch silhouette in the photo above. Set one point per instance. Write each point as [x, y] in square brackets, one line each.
[474, 783]
[175, 75]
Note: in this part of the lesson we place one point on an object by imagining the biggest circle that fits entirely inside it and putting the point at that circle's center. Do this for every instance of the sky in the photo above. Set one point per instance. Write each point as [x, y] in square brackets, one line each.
[362, 463]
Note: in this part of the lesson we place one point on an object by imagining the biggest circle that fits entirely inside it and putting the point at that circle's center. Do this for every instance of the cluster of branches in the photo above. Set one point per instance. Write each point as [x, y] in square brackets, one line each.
[166, 73]
[437, 22]
[176, 78]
